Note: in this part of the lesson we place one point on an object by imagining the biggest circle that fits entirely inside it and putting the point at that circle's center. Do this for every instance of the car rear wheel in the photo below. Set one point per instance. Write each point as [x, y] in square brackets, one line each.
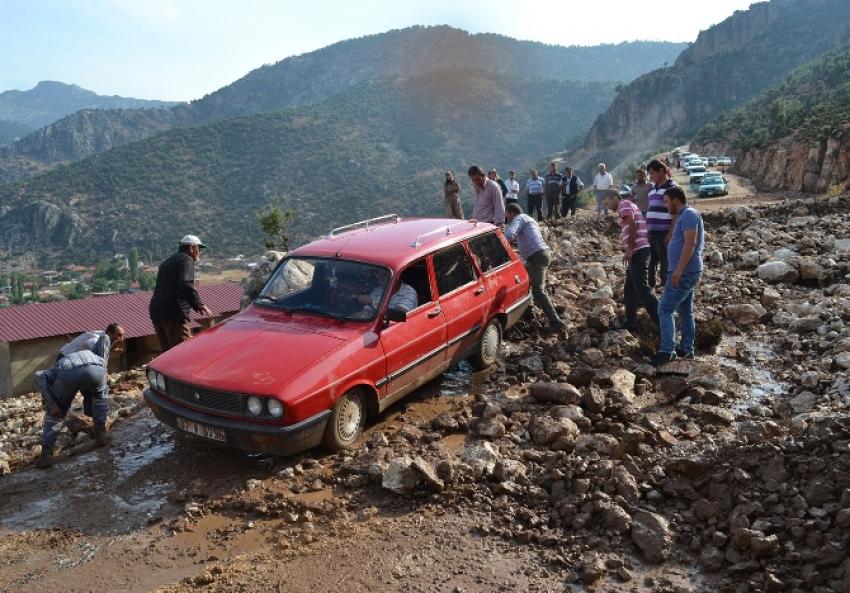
[488, 346]
[346, 422]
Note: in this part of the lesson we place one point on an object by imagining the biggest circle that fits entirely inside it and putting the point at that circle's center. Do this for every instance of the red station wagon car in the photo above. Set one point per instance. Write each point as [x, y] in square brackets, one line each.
[344, 327]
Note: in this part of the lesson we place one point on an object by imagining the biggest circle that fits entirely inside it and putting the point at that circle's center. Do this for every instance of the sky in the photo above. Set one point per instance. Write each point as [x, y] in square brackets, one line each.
[184, 49]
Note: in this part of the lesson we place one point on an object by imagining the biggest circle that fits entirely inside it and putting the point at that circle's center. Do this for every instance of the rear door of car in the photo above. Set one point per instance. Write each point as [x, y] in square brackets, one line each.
[415, 349]
[463, 298]
[504, 276]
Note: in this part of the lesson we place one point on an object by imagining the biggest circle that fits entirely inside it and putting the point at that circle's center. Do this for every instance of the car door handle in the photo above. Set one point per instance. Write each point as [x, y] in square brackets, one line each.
[479, 291]
[516, 279]
[434, 312]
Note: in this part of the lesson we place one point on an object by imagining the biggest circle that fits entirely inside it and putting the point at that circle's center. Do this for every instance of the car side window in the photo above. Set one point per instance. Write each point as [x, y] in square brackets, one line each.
[416, 276]
[453, 269]
[489, 251]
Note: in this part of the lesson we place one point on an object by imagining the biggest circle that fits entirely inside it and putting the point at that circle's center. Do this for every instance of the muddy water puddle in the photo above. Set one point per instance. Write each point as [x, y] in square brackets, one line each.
[763, 387]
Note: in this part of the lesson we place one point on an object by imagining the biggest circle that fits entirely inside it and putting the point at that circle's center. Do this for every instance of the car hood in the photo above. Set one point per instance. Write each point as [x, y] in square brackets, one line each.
[258, 351]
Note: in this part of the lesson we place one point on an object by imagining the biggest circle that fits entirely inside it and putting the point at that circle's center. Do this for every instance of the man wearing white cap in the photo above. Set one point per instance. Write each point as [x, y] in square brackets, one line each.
[175, 296]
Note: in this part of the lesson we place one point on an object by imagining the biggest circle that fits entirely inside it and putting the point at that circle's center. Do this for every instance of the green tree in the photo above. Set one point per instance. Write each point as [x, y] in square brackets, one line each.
[147, 281]
[274, 222]
[134, 264]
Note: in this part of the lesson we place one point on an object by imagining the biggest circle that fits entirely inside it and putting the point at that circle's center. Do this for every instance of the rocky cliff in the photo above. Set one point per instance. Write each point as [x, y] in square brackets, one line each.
[728, 64]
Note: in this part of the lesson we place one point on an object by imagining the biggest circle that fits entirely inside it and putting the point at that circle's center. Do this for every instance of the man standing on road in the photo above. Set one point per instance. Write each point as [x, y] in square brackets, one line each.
[569, 193]
[603, 183]
[636, 291]
[684, 254]
[640, 191]
[554, 180]
[489, 204]
[493, 175]
[512, 196]
[533, 250]
[534, 190]
[174, 296]
[86, 371]
[658, 220]
[452, 197]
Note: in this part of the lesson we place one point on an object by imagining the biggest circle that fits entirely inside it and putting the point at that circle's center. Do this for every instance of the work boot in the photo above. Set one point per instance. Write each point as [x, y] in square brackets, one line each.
[45, 460]
[101, 438]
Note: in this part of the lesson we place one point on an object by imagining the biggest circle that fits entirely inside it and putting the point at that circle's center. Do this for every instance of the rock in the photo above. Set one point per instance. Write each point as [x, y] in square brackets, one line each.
[705, 509]
[616, 518]
[260, 273]
[842, 246]
[428, 474]
[711, 559]
[842, 359]
[508, 469]
[770, 297]
[532, 363]
[805, 325]
[558, 393]
[708, 375]
[810, 270]
[491, 428]
[481, 456]
[776, 272]
[710, 414]
[581, 376]
[400, 476]
[592, 569]
[604, 444]
[809, 379]
[623, 383]
[593, 357]
[594, 400]
[651, 534]
[762, 546]
[545, 430]
[803, 402]
[744, 314]
[783, 253]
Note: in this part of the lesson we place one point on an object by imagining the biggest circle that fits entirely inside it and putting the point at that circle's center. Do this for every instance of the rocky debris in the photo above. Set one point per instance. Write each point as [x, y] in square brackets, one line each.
[744, 314]
[651, 533]
[254, 282]
[558, 393]
[778, 272]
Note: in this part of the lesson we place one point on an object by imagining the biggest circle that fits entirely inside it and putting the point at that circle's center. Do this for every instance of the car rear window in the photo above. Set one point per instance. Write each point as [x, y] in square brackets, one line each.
[489, 251]
[453, 269]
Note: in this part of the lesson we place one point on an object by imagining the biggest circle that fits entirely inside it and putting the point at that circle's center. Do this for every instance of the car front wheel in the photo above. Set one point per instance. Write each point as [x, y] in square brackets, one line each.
[488, 346]
[346, 422]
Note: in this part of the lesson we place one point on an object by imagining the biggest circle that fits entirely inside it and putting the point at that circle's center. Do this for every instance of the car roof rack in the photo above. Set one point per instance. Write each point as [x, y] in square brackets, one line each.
[387, 218]
[445, 231]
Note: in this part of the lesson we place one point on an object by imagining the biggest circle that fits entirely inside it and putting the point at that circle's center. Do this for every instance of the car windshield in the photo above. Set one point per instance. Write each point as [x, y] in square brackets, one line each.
[697, 169]
[334, 288]
[712, 179]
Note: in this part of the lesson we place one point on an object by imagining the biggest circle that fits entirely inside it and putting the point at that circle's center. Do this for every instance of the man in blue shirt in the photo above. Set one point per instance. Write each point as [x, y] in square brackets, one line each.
[523, 230]
[534, 188]
[684, 260]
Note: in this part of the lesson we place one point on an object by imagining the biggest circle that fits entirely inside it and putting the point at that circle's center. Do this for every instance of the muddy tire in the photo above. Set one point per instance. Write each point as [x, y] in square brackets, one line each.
[346, 422]
[488, 346]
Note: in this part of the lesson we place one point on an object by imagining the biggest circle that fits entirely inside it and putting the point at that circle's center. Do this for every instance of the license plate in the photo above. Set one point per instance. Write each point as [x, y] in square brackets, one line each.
[202, 430]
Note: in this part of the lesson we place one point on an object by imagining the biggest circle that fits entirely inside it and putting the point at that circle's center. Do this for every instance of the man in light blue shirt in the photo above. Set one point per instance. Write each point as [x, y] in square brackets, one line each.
[685, 267]
[523, 230]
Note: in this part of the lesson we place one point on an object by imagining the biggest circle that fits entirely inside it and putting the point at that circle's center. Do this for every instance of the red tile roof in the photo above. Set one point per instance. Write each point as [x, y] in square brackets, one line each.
[42, 320]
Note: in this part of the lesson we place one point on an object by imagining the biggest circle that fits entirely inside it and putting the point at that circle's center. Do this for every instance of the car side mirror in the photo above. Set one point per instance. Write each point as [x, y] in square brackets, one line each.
[396, 315]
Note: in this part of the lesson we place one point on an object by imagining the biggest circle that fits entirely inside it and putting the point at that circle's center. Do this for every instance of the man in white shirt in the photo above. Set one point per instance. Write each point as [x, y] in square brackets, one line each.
[603, 183]
[513, 189]
[88, 340]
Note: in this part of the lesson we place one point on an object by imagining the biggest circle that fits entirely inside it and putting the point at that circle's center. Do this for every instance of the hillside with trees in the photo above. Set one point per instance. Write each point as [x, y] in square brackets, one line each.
[795, 135]
[728, 64]
[313, 77]
[380, 147]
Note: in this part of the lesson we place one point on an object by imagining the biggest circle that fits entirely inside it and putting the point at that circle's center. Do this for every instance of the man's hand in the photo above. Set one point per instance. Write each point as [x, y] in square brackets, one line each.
[205, 311]
[675, 277]
[627, 256]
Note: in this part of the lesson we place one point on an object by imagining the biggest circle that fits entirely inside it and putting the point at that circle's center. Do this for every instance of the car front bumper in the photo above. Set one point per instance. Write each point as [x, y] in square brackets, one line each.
[276, 440]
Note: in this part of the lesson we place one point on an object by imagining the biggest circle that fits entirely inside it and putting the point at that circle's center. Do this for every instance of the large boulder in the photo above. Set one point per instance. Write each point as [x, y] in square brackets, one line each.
[776, 272]
[254, 282]
[651, 534]
[744, 314]
[557, 393]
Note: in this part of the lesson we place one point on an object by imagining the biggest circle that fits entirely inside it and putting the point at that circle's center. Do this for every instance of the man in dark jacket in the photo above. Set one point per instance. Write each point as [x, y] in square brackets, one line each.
[569, 193]
[552, 191]
[175, 296]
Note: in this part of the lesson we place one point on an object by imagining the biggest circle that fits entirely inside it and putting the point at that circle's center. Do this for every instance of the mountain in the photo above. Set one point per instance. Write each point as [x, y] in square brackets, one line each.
[795, 135]
[381, 146]
[10, 131]
[728, 64]
[50, 101]
[318, 75]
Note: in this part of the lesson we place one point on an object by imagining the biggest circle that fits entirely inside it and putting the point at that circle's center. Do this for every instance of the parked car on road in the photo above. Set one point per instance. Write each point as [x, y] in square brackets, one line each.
[694, 164]
[724, 161]
[695, 174]
[344, 327]
[712, 161]
[713, 184]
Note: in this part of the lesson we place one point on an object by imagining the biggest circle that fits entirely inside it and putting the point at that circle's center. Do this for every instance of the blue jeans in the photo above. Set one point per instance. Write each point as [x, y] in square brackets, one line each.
[679, 299]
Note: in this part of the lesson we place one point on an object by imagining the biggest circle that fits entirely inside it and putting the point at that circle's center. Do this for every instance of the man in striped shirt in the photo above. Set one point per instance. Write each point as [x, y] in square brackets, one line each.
[636, 291]
[659, 221]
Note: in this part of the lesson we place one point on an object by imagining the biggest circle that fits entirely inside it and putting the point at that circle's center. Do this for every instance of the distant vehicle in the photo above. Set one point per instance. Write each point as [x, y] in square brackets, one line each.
[696, 173]
[713, 184]
[712, 161]
[704, 161]
[694, 164]
[724, 161]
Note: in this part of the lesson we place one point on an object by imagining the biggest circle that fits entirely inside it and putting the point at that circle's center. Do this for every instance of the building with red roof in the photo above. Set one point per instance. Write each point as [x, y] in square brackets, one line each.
[31, 335]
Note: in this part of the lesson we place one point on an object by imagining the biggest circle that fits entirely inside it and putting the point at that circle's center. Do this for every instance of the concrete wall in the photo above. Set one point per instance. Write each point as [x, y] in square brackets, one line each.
[5, 371]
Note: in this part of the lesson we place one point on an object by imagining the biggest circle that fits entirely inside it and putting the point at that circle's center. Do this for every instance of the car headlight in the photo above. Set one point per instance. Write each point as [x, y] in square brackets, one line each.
[275, 408]
[255, 406]
[156, 379]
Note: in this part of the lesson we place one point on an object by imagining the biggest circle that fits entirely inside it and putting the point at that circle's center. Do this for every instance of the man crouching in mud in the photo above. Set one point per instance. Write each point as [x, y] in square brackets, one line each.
[84, 371]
